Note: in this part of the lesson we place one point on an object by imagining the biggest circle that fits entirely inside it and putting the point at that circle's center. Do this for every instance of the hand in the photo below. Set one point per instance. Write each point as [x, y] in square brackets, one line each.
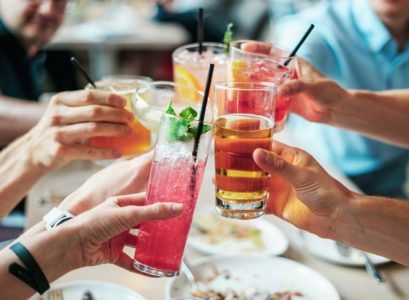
[315, 201]
[313, 96]
[120, 178]
[101, 233]
[70, 120]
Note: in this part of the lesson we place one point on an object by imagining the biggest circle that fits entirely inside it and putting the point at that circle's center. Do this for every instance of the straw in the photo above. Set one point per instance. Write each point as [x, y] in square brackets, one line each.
[294, 52]
[200, 29]
[203, 110]
[84, 73]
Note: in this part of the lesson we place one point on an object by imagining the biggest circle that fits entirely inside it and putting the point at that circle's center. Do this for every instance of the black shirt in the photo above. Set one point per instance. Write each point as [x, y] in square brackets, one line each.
[20, 76]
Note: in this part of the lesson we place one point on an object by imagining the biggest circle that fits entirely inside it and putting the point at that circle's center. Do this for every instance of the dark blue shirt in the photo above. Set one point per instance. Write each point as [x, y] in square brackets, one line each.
[21, 76]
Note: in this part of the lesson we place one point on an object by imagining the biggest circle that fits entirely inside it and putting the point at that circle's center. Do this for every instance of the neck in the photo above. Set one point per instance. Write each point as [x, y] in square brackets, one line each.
[399, 29]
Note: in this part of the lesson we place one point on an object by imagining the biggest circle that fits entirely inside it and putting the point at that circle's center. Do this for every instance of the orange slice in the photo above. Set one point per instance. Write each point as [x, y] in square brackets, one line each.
[238, 70]
[187, 85]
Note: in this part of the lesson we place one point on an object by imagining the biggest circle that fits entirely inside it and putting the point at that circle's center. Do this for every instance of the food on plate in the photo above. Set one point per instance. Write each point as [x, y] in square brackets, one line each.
[250, 294]
[215, 230]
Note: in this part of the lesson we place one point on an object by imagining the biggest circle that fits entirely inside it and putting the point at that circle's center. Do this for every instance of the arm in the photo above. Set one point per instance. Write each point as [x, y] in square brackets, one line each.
[320, 204]
[83, 242]
[380, 115]
[17, 117]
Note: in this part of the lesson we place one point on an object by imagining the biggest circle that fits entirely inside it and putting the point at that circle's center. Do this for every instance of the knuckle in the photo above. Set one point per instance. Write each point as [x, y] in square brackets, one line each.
[55, 119]
[57, 135]
[59, 150]
[159, 210]
[56, 99]
[96, 112]
[94, 127]
[88, 96]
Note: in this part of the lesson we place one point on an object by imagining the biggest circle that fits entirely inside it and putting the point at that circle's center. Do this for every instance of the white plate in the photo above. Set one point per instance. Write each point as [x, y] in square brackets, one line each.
[327, 249]
[269, 274]
[100, 290]
[259, 236]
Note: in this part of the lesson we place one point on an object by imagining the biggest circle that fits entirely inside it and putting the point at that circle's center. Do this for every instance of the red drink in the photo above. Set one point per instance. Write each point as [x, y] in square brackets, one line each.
[251, 67]
[161, 243]
[176, 176]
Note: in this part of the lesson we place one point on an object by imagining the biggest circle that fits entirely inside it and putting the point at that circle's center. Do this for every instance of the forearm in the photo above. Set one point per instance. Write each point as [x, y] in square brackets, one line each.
[17, 117]
[378, 225]
[18, 173]
[383, 116]
[54, 252]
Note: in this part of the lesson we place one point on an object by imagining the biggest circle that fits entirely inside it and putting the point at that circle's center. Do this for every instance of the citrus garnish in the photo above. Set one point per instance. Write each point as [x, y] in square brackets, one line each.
[187, 85]
[238, 70]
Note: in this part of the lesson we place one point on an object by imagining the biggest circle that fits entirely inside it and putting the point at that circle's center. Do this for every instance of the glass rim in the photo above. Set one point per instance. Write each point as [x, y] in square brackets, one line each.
[147, 86]
[124, 77]
[257, 86]
[215, 45]
[277, 59]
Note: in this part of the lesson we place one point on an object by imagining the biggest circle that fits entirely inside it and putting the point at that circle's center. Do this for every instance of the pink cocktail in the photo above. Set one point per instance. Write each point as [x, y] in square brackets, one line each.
[255, 67]
[176, 176]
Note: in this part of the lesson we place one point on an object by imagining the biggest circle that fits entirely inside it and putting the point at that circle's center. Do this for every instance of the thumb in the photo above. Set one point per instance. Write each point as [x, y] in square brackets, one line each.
[295, 87]
[276, 165]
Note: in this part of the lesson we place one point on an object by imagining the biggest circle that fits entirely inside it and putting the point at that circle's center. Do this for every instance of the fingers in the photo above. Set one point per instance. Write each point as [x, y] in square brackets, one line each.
[294, 87]
[157, 211]
[276, 165]
[72, 133]
[87, 153]
[132, 199]
[96, 113]
[257, 47]
[89, 97]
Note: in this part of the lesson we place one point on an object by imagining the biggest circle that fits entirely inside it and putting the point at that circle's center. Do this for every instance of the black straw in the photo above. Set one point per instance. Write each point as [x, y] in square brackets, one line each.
[294, 52]
[203, 110]
[200, 29]
[84, 73]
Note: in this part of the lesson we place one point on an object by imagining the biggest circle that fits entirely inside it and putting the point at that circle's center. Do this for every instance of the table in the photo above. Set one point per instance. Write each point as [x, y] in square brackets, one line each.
[352, 283]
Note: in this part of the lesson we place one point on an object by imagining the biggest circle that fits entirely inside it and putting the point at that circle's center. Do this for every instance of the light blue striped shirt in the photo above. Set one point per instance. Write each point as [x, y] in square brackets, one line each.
[352, 46]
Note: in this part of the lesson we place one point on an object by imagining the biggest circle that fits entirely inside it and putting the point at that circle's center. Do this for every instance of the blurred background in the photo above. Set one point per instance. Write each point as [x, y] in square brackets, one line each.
[137, 37]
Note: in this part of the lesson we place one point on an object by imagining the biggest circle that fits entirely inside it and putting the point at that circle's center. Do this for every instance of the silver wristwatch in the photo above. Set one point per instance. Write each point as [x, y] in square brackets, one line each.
[56, 217]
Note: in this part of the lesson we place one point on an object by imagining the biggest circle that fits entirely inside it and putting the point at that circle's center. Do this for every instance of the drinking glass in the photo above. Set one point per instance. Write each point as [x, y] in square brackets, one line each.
[244, 114]
[139, 140]
[176, 176]
[190, 68]
[255, 67]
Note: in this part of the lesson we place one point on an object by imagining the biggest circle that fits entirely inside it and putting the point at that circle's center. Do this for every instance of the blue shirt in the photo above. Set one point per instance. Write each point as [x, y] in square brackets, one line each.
[352, 46]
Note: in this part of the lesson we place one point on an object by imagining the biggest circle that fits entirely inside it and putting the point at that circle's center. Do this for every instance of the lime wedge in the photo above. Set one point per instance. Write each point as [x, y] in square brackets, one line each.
[146, 114]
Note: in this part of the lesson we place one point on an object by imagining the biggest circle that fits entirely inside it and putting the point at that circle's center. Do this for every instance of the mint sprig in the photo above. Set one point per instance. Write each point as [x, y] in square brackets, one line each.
[228, 37]
[182, 129]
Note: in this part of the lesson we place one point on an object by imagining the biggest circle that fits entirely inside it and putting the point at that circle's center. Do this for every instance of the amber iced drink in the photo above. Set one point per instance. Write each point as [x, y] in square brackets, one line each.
[241, 186]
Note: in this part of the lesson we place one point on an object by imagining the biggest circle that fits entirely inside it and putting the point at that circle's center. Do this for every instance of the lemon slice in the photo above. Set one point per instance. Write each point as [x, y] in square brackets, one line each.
[187, 85]
[238, 70]
[147, 115]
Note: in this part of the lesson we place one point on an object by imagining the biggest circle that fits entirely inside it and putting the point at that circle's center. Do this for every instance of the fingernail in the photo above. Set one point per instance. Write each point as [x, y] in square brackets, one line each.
[177, 208]
[121, 102]
[117, 153]
[264, 156]
[130, 116]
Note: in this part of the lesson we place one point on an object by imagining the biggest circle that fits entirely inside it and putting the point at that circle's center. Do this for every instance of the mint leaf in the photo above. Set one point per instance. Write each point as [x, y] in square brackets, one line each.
[228, 37]
[188, 113]
[181, 129]
[170, 110]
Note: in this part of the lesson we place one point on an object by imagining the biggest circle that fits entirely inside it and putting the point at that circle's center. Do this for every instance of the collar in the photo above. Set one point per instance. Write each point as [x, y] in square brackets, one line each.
[372, 28]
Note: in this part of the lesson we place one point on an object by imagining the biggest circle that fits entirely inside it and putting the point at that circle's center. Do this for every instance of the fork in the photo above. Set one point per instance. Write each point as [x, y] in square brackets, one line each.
[56, 294]
[345, 251]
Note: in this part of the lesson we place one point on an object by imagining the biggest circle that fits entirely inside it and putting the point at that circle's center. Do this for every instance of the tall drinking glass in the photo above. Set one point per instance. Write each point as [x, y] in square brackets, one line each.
[190, 68]
[176, 176]
[244, 122]
[254, 67]
[139, 140]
